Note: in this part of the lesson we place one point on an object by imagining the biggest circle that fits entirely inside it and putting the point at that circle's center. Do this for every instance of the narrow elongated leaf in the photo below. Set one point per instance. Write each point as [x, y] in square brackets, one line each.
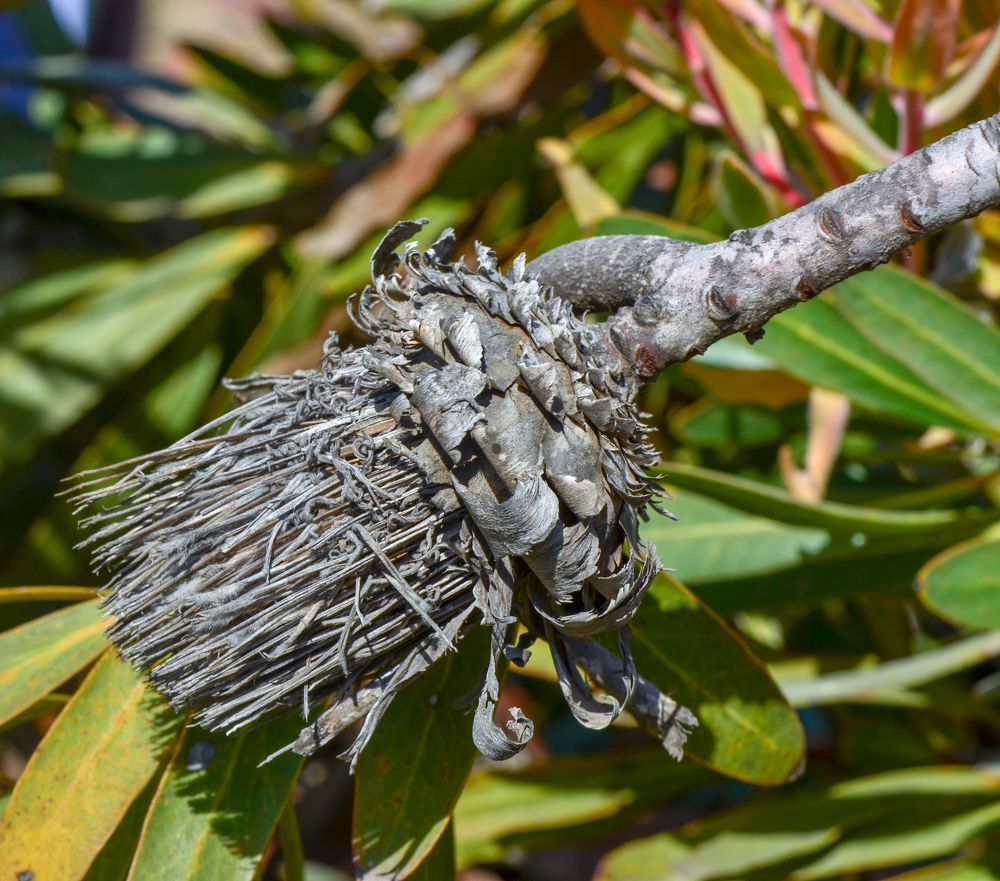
[817, 344]
[952, 350]
[562, 798]
[216, 809]
[963, 584]
[942, 780]
[412, 771]
[758, 498]
[439, 864]
[938, 839]
[95, 760]
[966, 88]
[747, 729]
[711, 541]
[867, 684]
[729, 35]
[641, 224]
[923, 42]
[39, 655]
[868, 821]
[115, 859]
[725, 856]
[859, 17]
[45, 594]
[741, 199]
[55, 369]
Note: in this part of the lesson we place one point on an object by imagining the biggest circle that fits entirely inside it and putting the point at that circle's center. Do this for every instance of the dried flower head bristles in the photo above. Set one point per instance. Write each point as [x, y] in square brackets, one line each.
[480, 461]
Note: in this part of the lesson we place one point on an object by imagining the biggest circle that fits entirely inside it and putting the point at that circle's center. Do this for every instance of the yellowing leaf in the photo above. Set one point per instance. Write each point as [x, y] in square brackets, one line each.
[95, 760]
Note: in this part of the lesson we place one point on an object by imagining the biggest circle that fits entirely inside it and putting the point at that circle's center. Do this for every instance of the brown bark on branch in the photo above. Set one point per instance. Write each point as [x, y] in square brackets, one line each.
[675, 299]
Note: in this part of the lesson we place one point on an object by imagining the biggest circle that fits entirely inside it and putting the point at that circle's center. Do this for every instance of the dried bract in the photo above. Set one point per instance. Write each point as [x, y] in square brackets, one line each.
[481, 461]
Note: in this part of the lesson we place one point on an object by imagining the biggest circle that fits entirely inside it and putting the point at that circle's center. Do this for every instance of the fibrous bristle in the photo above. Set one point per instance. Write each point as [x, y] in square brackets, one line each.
[279, 562]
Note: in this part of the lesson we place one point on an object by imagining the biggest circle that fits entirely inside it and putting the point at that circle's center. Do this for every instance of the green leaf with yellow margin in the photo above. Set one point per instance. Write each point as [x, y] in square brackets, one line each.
[96, 759]
[963, 583]
[42, 654]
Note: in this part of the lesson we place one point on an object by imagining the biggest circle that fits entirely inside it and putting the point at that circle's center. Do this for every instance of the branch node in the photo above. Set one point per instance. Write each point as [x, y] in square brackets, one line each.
[718, 305]
[648, 311]
[831, 224]
[909, 217]
[806, 289]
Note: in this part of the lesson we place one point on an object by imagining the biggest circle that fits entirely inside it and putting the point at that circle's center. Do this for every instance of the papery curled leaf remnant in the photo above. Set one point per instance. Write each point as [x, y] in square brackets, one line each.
[481, 461]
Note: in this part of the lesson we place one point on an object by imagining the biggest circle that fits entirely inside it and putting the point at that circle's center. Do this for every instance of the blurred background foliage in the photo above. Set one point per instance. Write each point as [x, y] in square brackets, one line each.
[190, 190]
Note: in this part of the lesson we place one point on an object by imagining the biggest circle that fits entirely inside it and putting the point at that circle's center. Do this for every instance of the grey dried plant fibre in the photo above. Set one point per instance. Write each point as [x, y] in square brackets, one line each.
[481, 462]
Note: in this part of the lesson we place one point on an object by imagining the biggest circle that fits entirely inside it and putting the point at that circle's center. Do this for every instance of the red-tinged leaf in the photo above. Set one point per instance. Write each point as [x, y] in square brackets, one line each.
[953, 100]
[95, 760]
[923, 43]
[627, 32]
[792, 62]
[40, 655]
[739, 46]
[743, 109]
[673, 98]
[383, 197]
[854, 14]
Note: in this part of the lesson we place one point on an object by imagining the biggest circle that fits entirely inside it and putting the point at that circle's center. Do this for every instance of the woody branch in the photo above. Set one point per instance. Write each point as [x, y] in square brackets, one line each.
[674, 299]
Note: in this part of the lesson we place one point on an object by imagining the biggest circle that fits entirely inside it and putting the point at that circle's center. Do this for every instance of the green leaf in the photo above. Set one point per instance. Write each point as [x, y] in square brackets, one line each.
[739, 195]
[562, 798]
[432, 10]
[42, 654]
[963, 584]
[290, 839]
[747, 729]
[711, 541]
[53, 370]
[641, 224]
[95, 760]
[935, 840]
[929, 780]
[891, 681]
[728, 855]
[943, 342]
[817, 344]
[439, 864]
[761, 499]
[730, 35]
[859, 818]
[412, 771]
[115, 859]
[216, 809]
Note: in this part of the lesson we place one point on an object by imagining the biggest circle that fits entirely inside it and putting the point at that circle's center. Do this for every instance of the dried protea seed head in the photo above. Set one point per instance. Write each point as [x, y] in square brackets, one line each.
[481, 461]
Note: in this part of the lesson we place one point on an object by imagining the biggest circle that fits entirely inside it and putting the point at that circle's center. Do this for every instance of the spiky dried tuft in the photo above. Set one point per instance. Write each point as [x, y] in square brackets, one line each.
[480, 461]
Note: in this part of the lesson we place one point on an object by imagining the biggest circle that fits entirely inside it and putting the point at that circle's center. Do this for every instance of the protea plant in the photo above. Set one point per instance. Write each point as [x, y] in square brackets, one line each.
[481, 462]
